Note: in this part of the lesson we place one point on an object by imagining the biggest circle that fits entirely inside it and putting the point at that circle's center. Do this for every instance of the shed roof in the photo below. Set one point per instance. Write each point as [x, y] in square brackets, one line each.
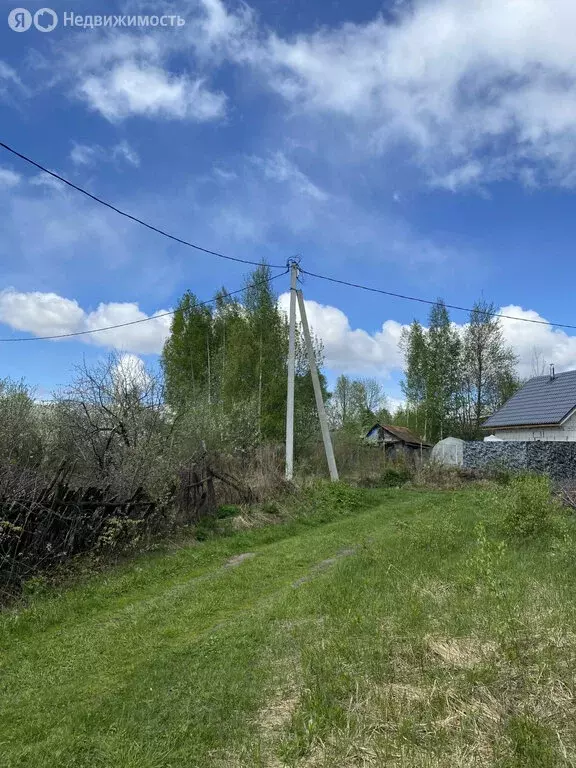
[541, 401]
[402, 433]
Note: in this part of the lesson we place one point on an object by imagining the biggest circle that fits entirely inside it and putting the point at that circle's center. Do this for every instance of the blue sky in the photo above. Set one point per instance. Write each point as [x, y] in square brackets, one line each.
[426, 148]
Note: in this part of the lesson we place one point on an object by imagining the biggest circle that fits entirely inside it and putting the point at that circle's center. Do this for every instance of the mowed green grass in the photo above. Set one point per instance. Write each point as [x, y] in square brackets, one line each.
[400, 635]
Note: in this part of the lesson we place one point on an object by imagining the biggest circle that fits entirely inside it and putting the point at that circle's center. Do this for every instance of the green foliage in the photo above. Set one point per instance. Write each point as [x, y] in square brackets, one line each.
[526, 505]
[186, 355]
[356, 404]
[488, 366]
[534, 744]
[393, 477]
[453, 380]
[206, 529]
[303, 651]
[235, 358]
[484, 568]
[227, 510]
[121, 533]
[270, 508]
[339, 497]
[20, 425]
[35, 586]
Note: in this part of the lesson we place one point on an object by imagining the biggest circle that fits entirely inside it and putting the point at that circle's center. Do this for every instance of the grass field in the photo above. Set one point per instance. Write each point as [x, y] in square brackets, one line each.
[409, 633]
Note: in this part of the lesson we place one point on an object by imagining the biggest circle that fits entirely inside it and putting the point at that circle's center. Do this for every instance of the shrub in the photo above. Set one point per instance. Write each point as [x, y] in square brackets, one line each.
[227, 510]
[392, 477]
[527, 505]
[334, 497]
[271, 508]
[441, 477]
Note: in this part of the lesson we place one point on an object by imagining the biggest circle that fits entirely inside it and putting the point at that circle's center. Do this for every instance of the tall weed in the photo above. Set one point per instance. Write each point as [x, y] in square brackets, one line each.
[527, 505]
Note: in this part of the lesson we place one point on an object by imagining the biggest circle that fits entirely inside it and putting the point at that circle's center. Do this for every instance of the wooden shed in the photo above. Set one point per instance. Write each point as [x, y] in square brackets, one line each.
[398, 442]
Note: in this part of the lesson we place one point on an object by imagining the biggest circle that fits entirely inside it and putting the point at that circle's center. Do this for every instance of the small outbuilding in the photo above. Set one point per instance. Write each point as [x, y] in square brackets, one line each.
[398, 442]
[449, 452]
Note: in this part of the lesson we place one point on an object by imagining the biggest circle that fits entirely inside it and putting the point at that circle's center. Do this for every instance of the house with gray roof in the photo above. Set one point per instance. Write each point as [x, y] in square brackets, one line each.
[544, 409]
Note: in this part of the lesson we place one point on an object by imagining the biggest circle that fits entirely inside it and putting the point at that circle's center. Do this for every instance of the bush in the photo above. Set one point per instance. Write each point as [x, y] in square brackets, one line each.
[227, 510]
[325, 496]
[438, 476]
[271, 508]
[392, 477]
[527, 505]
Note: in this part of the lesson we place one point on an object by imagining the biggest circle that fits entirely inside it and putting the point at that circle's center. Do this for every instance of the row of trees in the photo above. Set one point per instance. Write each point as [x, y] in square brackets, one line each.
[229, 362]
[454, 379]
[356, 404]
[222, 385]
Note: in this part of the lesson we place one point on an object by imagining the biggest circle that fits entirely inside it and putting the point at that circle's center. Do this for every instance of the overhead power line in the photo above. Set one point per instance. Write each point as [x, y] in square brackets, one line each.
[143, 320]
[129, 215]
[431, 302]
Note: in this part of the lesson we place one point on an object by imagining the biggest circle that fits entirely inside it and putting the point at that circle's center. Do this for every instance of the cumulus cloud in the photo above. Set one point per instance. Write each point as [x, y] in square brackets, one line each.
[548, 344]
[348, 349]
[376, 353]
[130, 371]
[9, 178]
[485, 80]
[455, 79]
[131, 88]
[479, 90]
[48, 314]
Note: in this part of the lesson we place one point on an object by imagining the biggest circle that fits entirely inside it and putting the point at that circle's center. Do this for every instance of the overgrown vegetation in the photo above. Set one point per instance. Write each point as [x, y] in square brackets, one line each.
[132, 437]
[454, 380]
[418, 633]
[527, 505]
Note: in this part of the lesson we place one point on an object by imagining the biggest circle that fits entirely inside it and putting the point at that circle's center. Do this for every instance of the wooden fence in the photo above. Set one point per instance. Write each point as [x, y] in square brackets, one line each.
[45, 524]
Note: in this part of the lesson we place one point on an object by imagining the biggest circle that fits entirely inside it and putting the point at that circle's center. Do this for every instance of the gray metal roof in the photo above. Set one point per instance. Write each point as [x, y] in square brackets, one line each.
[540, 401]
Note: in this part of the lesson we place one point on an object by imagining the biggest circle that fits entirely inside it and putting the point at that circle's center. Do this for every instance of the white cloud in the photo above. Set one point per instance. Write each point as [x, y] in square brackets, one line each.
[465, 175]
[44, 180]
[481, 90]
[482, 77]
[9, 80]
[478, 91]
[278, 167]
[360, 352]
[130, 371]
[130, 88]
[48, 314]
[82, 154]
[346, 349]
[552, 345]
[143, 338]
[352, 350]
[271, 198]
[124, 151]
[9, 178]
[85, 154]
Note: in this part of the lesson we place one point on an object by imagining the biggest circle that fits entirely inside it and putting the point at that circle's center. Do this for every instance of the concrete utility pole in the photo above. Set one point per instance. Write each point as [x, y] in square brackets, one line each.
[291, 365]
[317, 391]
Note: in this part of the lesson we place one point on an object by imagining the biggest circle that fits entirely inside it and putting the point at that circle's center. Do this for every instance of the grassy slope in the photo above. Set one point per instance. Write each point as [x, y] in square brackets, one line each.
[430, 645]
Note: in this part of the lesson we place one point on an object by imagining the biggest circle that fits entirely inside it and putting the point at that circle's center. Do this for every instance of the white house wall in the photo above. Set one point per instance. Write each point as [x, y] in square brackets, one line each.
[565, 432]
